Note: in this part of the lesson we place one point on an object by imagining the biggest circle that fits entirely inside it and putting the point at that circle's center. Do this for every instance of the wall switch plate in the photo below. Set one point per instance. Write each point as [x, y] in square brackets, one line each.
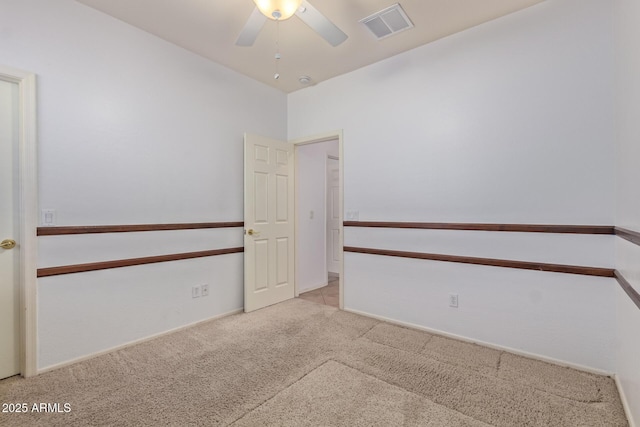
[48, 217]
[195, 292]
[353, 215]
[205, 290]
[453, 300]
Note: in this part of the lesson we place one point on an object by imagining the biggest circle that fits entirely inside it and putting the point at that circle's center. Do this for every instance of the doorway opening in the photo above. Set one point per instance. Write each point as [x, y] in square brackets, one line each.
[318, 254]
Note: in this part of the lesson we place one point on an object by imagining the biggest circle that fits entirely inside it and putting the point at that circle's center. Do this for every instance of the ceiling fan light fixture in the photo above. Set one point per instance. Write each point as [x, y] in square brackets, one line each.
[278, 10]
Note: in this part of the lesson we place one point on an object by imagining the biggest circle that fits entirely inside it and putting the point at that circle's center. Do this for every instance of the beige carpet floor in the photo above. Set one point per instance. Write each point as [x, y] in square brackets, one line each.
[303, 364]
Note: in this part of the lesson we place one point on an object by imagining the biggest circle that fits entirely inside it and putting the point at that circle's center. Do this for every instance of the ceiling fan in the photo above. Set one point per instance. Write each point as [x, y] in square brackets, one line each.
[279, 10]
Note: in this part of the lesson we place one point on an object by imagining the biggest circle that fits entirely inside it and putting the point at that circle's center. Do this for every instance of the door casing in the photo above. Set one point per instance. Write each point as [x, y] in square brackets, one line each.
[28, 217]
[329, 136]
[330, 224]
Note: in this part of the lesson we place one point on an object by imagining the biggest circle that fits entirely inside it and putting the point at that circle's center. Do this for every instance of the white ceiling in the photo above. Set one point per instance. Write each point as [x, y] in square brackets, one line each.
[211, 27]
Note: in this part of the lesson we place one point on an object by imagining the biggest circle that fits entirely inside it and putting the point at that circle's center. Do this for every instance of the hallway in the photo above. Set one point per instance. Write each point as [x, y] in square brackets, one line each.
[327, 295]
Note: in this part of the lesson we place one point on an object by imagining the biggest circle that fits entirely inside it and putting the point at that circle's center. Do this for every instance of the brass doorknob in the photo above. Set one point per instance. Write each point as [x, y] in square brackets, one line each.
[252, 232]
[8, 244]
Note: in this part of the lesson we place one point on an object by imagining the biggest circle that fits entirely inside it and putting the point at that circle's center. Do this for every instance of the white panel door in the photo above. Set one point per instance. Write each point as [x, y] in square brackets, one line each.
[9, 292]
[333, 215]
[268, 222]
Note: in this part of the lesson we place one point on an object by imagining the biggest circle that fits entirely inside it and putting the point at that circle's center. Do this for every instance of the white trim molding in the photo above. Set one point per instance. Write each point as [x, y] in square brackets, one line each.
[535, 356]
[28, 201]
[137, 341]
[625, 402]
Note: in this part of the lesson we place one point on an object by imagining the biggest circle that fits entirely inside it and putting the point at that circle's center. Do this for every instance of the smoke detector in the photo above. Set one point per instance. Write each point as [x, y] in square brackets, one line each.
[388, 22]
[304, 80]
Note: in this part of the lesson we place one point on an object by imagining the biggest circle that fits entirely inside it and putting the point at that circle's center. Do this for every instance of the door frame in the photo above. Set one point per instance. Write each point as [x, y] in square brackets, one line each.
[28, 217]
[328, 136]
[327, 159]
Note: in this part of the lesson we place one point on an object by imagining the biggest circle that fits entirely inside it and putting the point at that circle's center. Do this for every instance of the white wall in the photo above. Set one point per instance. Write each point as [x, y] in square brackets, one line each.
[627, 348]
[540, 313]
[132, 129]
[508, 122]
[311, 254]
[627, 16]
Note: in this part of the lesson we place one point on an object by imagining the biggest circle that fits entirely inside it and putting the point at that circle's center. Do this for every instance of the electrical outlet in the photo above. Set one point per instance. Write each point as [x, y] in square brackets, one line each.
[453, 300]
[205, 290]
[195, 292]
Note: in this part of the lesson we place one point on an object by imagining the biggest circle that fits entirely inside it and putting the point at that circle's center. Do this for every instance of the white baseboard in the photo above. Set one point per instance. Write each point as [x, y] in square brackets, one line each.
[625, 402]
[134, 342]
[485, 344]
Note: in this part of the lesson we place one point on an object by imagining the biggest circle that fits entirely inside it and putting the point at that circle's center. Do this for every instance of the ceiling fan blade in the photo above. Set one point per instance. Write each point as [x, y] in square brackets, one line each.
[321, 24]
[252, 28]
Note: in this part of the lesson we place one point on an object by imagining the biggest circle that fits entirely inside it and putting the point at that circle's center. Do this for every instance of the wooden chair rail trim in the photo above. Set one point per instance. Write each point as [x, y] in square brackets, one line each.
[127, 228]
[525, 228]
[103, 265]
[630, 235]
[526, 265]
[626, 286]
